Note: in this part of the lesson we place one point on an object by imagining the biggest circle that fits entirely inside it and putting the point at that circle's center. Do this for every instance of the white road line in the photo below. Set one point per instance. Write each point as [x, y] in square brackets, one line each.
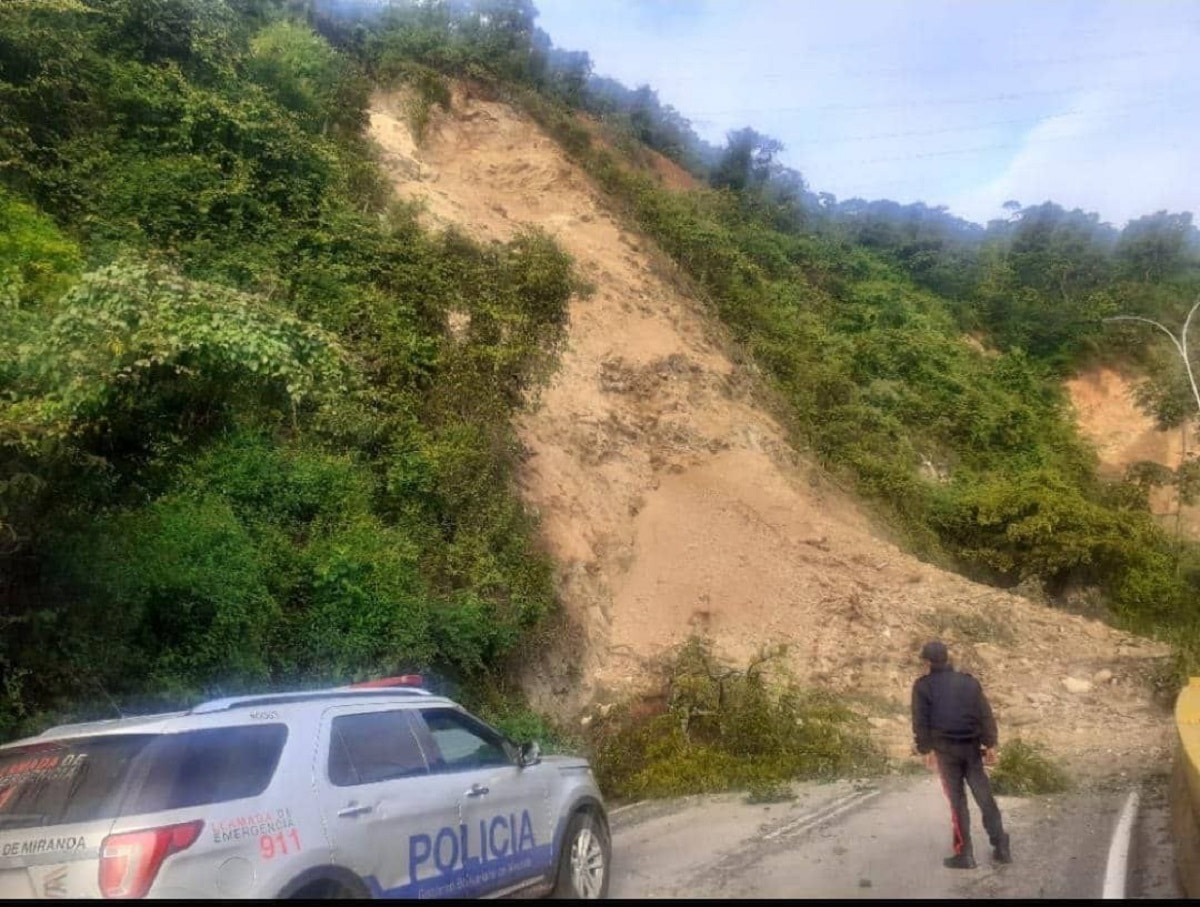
[627, 806]
[817, 820]
[1117, 870]
[836, 808]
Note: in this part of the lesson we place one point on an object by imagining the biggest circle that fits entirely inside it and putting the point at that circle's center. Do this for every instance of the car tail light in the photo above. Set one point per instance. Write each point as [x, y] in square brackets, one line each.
[129, 863]
[404, 680]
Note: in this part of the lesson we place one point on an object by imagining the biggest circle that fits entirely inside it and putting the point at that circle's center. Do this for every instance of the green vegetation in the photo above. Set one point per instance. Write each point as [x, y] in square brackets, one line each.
[1024, 770]
[728, 729]
[760, 792]
[239, 443]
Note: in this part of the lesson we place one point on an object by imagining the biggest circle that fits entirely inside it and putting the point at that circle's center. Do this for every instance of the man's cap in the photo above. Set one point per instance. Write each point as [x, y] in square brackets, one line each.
[935, 652]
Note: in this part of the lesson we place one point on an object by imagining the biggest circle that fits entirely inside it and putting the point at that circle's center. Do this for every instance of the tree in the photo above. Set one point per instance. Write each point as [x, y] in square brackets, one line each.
[747, 160]
[1058, 252]
[307, 76]
[199, 36]
[1153, 248]
[568, 74]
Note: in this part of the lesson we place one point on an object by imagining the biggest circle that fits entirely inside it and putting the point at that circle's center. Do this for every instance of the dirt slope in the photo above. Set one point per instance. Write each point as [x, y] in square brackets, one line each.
[672, 502]
[1123, 435]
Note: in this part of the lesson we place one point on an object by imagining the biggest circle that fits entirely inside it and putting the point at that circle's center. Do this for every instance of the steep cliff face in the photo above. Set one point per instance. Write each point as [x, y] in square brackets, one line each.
[672, 502]
[1123, 434]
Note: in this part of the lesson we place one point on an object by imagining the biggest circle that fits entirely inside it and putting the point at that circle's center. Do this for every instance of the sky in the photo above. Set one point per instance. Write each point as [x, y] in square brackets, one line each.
[966, 104]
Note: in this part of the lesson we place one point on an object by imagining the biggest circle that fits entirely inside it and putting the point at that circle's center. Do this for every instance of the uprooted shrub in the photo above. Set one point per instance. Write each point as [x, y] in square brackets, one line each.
[1024, 769]
[727, 728]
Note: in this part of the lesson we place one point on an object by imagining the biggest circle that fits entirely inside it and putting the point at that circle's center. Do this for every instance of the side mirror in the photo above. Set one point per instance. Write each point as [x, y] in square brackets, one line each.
[530, 754]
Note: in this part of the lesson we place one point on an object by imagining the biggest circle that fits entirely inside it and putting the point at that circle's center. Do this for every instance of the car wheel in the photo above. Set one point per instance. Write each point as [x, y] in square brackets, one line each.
[583, 863]
[329, 891]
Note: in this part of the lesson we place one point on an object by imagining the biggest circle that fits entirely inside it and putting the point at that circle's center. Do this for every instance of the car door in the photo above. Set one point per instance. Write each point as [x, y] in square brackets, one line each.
[379, 803]
[506, 833]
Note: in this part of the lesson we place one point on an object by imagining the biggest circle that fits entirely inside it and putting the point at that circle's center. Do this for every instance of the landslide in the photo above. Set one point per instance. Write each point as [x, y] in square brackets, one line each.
[673, 503]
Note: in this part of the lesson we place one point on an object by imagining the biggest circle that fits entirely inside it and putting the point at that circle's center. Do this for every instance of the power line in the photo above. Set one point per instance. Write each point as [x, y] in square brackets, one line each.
[1023, 143]
[1006, 65]
[975, 127]
[933, 102]
[841, 49]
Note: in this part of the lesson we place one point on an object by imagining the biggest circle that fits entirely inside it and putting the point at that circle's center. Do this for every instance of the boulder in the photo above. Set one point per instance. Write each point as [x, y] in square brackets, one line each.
[1075, 685]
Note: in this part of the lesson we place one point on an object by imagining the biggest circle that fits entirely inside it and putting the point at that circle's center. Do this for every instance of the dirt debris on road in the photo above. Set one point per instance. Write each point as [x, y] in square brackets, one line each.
[674, 504]
[883, 839]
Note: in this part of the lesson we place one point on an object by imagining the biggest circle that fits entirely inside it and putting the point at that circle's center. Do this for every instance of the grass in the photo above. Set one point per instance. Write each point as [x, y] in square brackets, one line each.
[1025, 770]
[760, 792]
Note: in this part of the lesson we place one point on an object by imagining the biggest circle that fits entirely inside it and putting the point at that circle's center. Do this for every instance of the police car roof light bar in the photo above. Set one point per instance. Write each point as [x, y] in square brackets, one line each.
[403, 680]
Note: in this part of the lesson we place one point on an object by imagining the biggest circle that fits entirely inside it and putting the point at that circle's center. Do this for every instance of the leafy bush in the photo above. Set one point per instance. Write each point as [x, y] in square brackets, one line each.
[267, 370]
[1025, 770]
[38, 262]
[429, 89]
[727, 729]
[173, 595]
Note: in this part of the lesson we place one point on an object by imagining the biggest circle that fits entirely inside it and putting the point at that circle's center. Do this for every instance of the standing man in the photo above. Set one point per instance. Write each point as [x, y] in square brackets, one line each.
[955, 731]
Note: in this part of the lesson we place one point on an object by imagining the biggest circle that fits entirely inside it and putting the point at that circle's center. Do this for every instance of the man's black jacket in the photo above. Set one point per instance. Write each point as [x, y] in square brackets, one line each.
[948, 706]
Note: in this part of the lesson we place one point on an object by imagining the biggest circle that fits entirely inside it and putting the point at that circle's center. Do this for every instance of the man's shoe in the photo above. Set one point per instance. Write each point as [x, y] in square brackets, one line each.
[1001, 853]
[964, 860]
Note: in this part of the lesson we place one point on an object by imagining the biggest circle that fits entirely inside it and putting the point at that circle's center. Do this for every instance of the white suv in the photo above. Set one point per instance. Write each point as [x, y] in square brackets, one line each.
[379, 789]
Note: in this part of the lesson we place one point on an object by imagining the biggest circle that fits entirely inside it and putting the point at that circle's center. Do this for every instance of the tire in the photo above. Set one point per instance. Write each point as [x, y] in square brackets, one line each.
[585, 860]
[329, 891]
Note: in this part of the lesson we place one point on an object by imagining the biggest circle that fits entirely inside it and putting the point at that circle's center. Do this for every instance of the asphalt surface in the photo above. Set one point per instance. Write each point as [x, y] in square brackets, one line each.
[883, 838]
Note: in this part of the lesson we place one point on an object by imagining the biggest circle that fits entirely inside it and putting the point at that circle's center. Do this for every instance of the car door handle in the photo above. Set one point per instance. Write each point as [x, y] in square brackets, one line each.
[478, 790]
[354, 810]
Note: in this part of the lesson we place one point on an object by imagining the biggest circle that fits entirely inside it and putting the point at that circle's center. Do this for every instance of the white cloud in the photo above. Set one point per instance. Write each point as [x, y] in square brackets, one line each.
[968, 104]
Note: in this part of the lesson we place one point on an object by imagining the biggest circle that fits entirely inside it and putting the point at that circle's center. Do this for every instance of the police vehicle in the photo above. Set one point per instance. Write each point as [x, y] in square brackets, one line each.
[379, 789]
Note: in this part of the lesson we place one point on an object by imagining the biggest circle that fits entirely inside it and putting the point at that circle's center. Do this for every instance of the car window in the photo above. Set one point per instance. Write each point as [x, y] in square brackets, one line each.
[58, 783]
[198, 768]
[83, 780]
[374, 746]
[461, 742]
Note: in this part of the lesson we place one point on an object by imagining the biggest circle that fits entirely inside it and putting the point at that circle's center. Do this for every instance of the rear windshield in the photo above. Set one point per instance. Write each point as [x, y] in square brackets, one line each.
[61, 783]
[84, 780]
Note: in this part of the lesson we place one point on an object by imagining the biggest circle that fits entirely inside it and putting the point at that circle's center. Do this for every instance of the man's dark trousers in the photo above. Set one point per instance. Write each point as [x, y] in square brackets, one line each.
[959, 762]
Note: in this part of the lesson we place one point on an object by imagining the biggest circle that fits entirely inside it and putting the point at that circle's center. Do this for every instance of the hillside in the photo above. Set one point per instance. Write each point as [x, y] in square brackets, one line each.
[290, 398]
[1123, 434]
[673, 503]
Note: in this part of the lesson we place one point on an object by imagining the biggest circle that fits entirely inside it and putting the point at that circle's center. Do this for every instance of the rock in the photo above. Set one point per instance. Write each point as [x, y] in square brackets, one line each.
[1075, 685]
[1104, 675]
[585, 721]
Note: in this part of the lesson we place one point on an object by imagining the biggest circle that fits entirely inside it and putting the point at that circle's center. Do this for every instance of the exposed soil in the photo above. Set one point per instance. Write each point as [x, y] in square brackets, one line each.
[673, 503]
[1124, 435]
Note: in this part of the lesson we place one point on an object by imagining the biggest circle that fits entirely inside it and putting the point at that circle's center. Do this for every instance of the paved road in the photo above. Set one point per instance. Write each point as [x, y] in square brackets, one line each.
[879, 839]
